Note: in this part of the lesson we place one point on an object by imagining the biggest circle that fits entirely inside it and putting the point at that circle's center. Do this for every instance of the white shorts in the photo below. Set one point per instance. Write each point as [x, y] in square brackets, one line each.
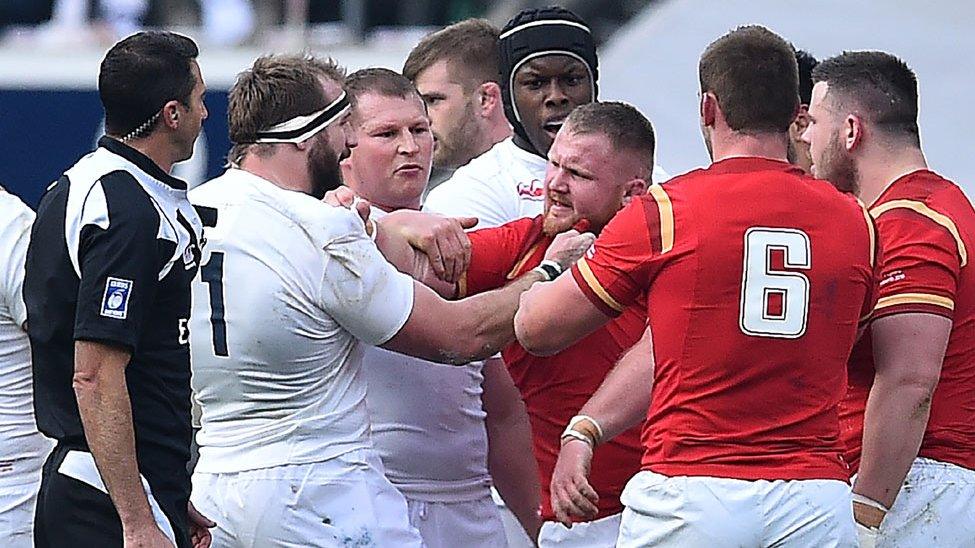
[936, 507]
[20, 480]
[344, 501]
[17, 514]
[513, 531]
[471, 524]
[600, 533]
[699, 511]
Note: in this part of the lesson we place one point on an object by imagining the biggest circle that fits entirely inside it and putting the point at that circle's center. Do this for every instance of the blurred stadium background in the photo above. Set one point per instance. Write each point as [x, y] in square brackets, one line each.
[50, 50]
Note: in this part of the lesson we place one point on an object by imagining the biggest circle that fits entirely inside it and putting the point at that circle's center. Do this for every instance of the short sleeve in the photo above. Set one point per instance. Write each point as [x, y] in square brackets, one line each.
[872, 272]
[361, 291]
[466, 196]
[119, 258]
[494, 253]
[14, 237]
[921, 260]
[617, 270]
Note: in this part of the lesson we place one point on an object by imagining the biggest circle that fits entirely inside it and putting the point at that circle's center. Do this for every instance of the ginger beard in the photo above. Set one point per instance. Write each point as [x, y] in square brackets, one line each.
[559, 213]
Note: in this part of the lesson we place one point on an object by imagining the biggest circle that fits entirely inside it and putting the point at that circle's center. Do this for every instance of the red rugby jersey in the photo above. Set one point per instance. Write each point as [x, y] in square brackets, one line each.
[756, 278]
[926, 226]
[554, 388]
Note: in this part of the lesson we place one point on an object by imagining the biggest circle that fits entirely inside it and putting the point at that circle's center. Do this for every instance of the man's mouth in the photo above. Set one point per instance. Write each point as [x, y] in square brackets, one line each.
[559, 205]
[553, 126]
[409, 169]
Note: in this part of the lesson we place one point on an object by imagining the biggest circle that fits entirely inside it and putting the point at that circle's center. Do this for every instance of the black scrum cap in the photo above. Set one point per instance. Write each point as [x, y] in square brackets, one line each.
[535, 33]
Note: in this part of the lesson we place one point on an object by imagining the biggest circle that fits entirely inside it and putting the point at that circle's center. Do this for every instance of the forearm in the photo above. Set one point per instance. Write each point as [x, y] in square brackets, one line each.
[487, 319]
[894, 424]
[622, 400]
[394, 246]
[106, 414]
[514, 470]
[397, 249]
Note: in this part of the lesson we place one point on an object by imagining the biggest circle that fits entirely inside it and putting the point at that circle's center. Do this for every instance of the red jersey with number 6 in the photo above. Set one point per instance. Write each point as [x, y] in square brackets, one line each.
[926, 226]
[756, 279]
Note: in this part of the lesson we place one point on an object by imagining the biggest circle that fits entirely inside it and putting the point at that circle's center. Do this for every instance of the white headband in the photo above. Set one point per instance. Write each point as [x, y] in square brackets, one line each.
[300, 128]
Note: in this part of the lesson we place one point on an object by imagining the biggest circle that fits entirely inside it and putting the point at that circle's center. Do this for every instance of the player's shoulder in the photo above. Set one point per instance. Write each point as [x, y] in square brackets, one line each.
[13, 208]
[485, 167]
[262, 206]
[924, 192]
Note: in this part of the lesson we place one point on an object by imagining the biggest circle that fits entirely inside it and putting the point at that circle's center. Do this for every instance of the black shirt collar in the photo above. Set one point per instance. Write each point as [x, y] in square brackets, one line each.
[142, 161]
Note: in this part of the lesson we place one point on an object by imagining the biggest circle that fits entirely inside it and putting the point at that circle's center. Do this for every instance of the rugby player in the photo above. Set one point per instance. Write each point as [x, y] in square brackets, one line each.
[456, 72]
[753, 301]
[909, 415]
[601, 159]
[438, 430]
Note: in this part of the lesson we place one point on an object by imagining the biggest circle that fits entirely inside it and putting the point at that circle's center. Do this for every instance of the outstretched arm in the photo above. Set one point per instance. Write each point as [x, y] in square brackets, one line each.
[620, 403]
[480, 326]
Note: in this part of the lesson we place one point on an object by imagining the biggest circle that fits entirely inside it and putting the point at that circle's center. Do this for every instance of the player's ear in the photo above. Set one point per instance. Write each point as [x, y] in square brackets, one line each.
[636, 186]
[170, 114]
[709, 109]
[489, 97]
[853, 130]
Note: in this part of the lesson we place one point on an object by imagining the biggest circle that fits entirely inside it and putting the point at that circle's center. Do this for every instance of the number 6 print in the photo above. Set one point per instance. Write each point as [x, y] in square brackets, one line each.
[774, 303]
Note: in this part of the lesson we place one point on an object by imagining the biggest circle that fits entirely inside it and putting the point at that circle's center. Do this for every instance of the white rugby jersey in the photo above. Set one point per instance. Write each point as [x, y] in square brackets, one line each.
[288, 287]
[22, 447]
[503, 184]
[428, 424]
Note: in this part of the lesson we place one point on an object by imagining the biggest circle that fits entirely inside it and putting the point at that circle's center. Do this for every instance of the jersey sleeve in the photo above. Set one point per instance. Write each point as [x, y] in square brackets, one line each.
[494, 252]
[617, 270]
[360, 290]
[119, 262]
[14, 236]
[466, 196]
[873, 271]
[921, 259]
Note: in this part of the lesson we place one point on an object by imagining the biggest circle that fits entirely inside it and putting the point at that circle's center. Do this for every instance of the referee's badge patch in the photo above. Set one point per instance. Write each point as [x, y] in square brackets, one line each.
[115, 303]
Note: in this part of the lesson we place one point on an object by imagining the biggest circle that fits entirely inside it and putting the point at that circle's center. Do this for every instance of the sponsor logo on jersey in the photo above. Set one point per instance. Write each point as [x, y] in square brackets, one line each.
[532, 190]
[115, 302]
[892, 277]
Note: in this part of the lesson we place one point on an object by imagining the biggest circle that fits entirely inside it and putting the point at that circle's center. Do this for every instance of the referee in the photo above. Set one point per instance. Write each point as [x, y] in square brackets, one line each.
[112, 253]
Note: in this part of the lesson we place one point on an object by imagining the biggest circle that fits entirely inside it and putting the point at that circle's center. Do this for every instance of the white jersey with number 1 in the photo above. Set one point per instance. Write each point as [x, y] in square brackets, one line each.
[288, 288]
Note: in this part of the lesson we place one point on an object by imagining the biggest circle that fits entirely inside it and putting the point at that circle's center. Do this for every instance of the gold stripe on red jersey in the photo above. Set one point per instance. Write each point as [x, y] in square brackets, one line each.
[872, 233]
[923, 209]
[665, 211]
[516, 270]
[462, 286]
[596, 287]
[915, 298]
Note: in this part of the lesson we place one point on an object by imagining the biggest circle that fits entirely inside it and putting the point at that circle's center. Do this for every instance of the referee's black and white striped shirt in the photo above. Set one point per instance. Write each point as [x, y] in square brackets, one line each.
[111, 257]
